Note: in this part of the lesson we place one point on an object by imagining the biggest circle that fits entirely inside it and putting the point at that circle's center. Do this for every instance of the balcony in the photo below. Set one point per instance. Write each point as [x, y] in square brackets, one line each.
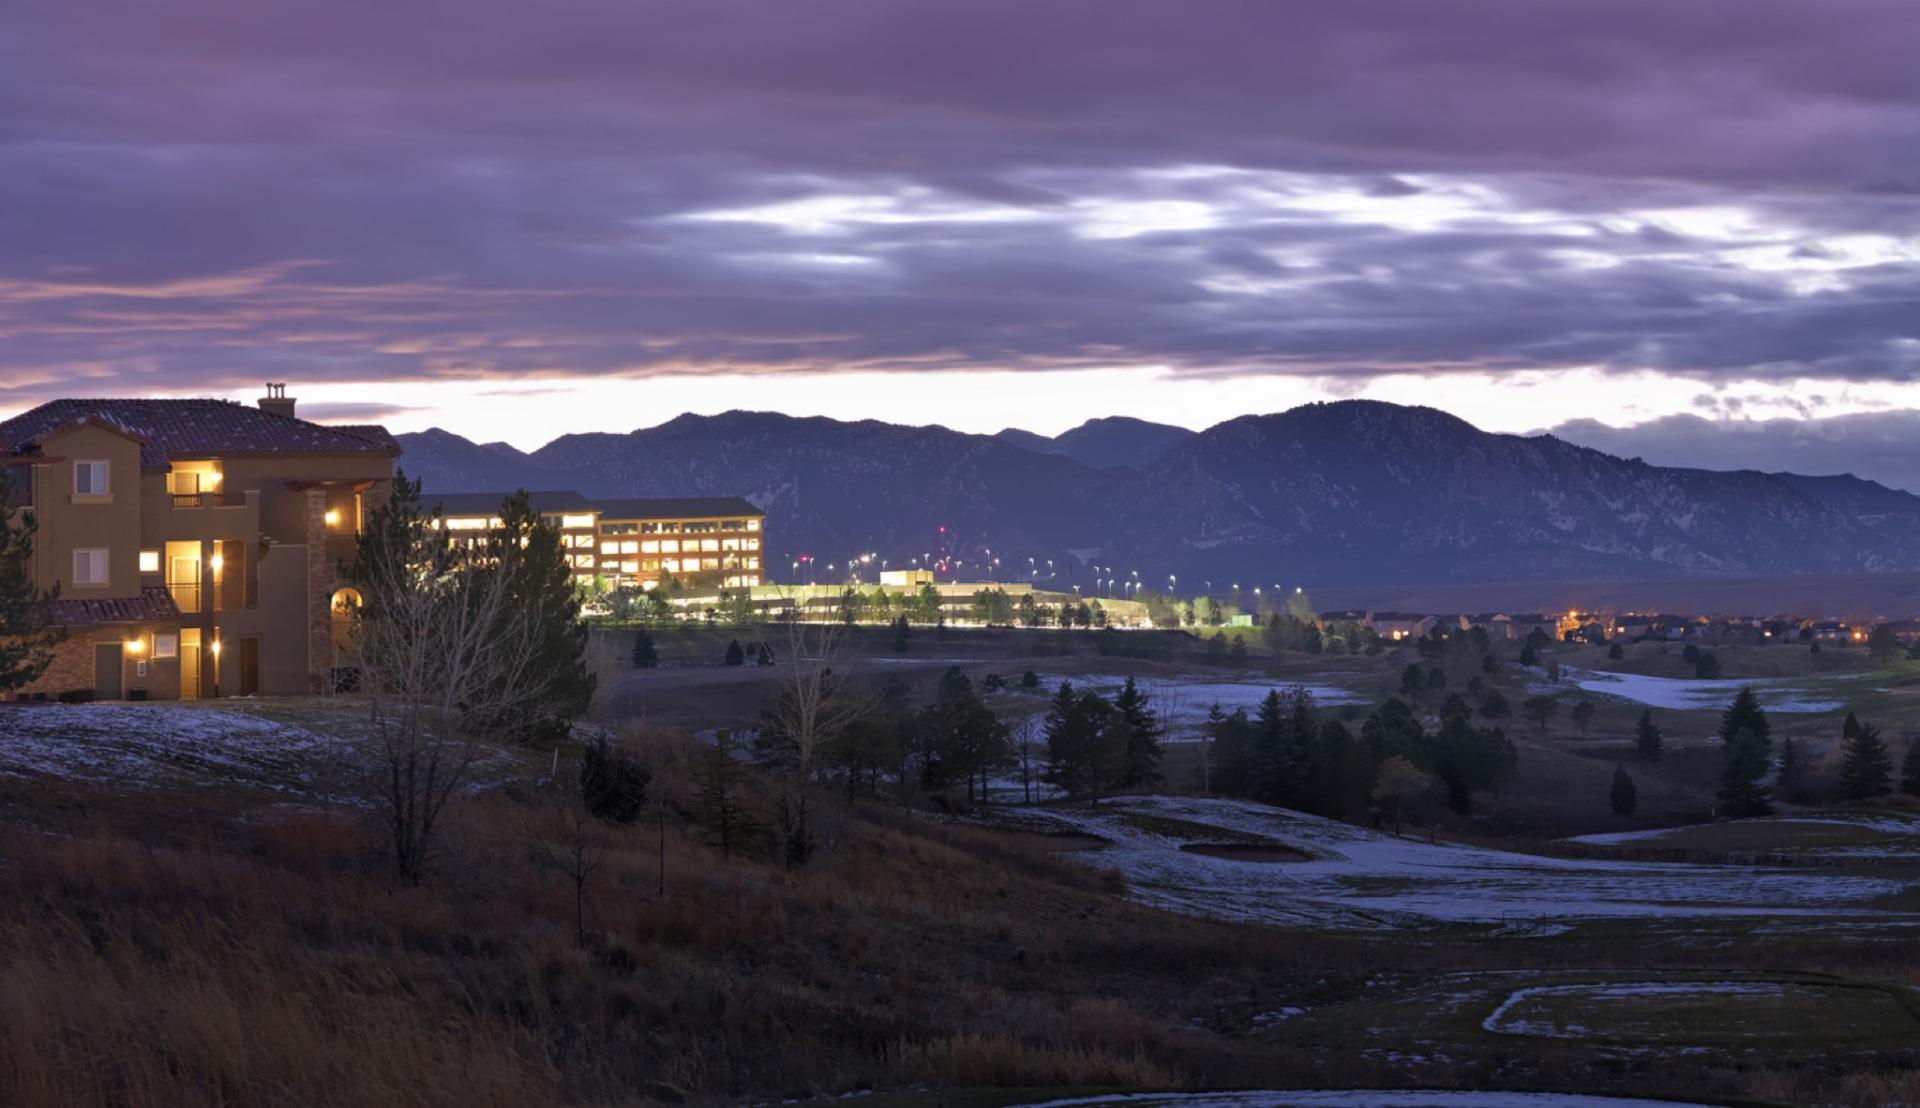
[186, 596]
[191, 500]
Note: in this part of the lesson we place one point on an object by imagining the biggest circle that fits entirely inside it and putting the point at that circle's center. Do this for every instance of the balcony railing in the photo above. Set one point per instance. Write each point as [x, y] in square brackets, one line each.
[186, 596]
[209, 499]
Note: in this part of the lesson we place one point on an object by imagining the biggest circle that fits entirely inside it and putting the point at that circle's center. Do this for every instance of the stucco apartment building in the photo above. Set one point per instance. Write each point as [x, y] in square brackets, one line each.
[632, 543]
[195, 543]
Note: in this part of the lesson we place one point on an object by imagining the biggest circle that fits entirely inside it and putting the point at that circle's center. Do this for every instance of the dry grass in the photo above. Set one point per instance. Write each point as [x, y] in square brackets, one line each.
[269, 960]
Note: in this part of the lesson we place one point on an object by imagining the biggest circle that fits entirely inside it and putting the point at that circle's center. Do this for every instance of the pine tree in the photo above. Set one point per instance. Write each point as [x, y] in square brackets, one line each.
[1084, 748]
[1883, 646]
[1910, 767]
[1850, 727]
[530, 552]
[1622, 794]
[1745, 738]
[1287, 755]
[645, 654]
[900, 635]
[729, 825]
[1866, 771]
[736, 654]
[1143, 737]
[1793, 767]
[26, 639]
[1648, 740]
[1583, 714]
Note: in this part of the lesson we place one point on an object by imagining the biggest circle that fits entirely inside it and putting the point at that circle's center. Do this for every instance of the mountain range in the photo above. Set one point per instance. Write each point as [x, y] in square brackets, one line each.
[1350, 492]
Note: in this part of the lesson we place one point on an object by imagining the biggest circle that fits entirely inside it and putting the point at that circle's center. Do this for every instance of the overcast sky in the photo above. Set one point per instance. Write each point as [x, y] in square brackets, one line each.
[519, 219]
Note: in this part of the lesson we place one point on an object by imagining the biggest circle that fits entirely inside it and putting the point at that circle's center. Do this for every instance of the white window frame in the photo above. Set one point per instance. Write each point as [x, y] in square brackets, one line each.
[86, 465]
[166, 646]
[106, 566]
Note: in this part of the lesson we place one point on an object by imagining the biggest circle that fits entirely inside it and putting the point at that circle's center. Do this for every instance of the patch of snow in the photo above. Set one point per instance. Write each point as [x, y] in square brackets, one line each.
[1683, 694]
[1501, 1022]
[1355, 877]
[1364, 1098]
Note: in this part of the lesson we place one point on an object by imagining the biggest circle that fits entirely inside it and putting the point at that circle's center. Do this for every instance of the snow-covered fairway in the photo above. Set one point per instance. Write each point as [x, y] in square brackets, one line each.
[1354, 877]
[1362, 1098]
[1685, 694]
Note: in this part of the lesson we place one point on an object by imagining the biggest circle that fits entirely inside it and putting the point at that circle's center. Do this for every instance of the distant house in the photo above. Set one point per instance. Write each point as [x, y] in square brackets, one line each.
[1906, 630]
[1401, 625]
[1525, 625]
[1346, 615]
[1497, 625]
[1831, 631]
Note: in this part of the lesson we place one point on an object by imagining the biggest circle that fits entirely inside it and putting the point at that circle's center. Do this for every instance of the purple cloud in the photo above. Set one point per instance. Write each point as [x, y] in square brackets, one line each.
[202, 194]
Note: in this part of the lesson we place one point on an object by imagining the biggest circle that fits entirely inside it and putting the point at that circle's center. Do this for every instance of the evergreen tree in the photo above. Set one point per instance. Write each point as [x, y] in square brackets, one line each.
[1707, 668]
[1413, 682]
[900, 634]
[1615, 652]
[1495, 706]
[1883, 646]
[1541, 710]
[27, 639]
[955, 686]
[736, 654]
[1528, 655]
[1621, 796]
[1793, 768]
[1238, 651]
[765, 656]
[1745, 739]
[530, 552]
[1690, 654]
[1029, 680]
[1143, 737]
[1287, 755]
[613, 784]
[1849, 727]
[1468, 759]
[645, 654]
[1084, 747]
[1910, 767]
[729, 824]
[1648, 739]
[1582, 714]
[1866, 770]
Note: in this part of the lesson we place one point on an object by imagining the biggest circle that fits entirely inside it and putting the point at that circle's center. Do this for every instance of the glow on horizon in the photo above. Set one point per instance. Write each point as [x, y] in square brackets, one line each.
[530, 413]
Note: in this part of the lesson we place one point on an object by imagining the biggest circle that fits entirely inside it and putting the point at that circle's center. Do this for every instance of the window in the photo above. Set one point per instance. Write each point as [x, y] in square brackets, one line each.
[90, 567]
[166, 646]
[149, 561]
[650, 546]
[576, 522]
[90, 479]
[609, 548]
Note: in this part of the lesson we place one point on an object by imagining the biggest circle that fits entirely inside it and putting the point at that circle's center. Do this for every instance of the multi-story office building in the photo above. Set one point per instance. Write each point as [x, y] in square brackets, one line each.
[718, 540]
[465, 514]
[194, 543]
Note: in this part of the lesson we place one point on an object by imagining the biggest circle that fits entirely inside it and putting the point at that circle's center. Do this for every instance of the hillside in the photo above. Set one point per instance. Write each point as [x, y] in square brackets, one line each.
[1355, 492]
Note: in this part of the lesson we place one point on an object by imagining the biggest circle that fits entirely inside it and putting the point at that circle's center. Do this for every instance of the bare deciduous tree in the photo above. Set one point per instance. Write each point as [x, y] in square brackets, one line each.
[568, 841]
[811, 708]
[442, 642]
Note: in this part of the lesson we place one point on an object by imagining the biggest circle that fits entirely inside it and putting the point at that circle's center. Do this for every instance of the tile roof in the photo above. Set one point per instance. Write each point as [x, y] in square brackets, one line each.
[153, 605]
[194, 428]
[678, 507]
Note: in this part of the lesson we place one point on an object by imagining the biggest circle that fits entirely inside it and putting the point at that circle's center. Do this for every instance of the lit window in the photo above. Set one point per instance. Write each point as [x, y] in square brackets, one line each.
[576, 523]
[671, 565]
[651, 546]
[90, 479]
[753, 525]
[729, 544]
[710, 544]
[467, 524]
[752, 544]
[670, 546]
[166, 646]
[609, 548]
[630, 567]
[149, 561]
[90, 567]
[629, 547]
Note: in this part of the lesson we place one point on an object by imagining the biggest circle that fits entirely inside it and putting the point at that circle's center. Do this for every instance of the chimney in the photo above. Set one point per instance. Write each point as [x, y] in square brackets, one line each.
[277, 401]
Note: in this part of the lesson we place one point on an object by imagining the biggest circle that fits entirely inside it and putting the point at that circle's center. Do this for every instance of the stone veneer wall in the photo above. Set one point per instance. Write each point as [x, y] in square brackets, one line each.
[72, 666]
[320, 583]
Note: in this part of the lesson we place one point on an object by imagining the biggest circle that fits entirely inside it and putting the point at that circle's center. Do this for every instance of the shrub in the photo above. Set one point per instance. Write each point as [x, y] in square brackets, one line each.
[613, 784]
